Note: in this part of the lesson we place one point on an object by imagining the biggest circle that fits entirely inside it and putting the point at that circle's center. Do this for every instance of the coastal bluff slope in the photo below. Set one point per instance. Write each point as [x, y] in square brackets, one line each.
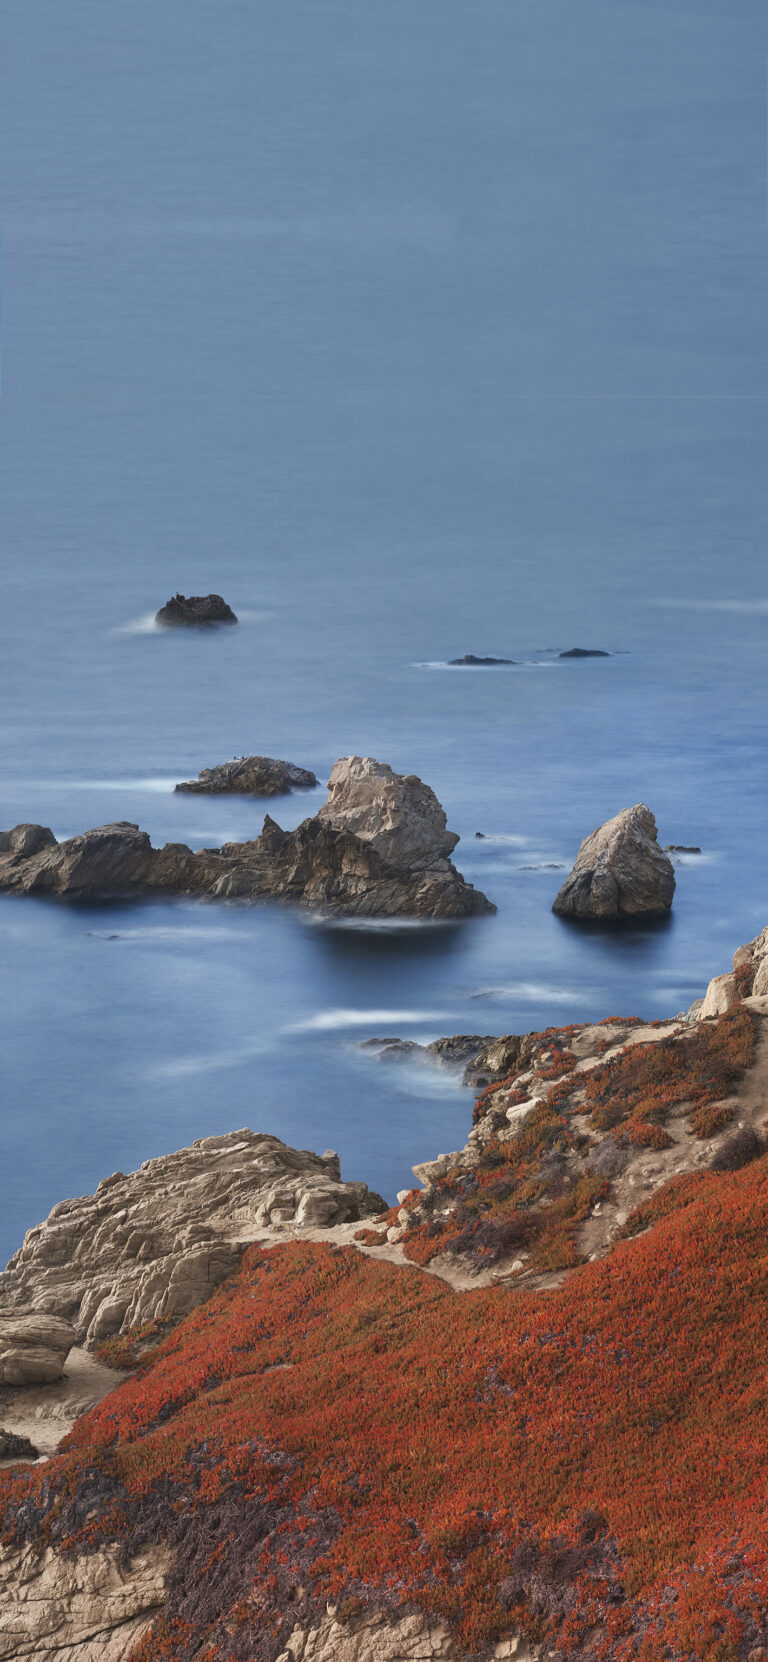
[519, 1414]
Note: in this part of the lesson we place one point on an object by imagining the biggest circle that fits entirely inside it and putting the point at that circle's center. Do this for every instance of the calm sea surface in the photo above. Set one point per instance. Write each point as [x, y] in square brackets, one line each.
[414, 330]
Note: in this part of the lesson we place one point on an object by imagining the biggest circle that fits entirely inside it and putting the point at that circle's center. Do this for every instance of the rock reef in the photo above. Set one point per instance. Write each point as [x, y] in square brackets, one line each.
[249, 776]
[157, 1242]
[478, 663]
[378, 848]
[194, 611]
[620, 871]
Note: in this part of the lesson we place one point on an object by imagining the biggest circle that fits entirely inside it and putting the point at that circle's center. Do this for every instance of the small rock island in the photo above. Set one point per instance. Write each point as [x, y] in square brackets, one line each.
[250, 776]
[620, 871]
[194, 611]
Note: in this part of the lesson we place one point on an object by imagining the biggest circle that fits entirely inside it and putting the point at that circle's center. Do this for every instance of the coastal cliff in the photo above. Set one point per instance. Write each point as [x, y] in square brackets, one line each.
[520, 1414]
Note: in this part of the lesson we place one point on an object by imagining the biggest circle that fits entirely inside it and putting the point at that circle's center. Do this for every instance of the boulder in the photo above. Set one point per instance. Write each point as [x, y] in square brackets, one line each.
[13, 1447]
[250, 776]
[158, 1242]
[379, 848]
[721, 995]
[620, 871]
[193, 611]
[34, 1345]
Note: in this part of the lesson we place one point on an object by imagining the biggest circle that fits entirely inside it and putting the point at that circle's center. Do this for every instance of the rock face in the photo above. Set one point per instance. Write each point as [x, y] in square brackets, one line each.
[478, 663]
[89, 1609]
[157, 1242]
[250, 776]
[193, 610]
[379, 847]
[33, 1345]
[748, 979]
[620, 871]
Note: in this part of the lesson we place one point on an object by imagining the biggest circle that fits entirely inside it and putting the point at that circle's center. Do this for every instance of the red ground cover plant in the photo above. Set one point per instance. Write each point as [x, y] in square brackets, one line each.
[640, 1088]
[589, 1465]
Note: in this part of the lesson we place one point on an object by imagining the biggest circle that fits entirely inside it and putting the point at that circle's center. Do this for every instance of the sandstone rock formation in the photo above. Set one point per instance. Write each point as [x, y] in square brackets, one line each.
[748, 979]
[33, 1344]
[250, 776]
[379, 847]
[194, 611]
[157, 1242]
[620, 871]
[94, 1608]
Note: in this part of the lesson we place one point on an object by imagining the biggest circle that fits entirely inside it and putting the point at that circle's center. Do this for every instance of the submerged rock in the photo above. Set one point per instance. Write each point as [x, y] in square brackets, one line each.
[191, 611]
[378, 848]
[469, 658]
[157, 1242]
[584, 652]
[680, 848]
[250, 776]
[620, 871]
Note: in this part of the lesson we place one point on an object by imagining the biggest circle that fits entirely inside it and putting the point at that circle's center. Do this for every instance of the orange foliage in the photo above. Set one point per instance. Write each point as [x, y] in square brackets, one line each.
[589, 1464]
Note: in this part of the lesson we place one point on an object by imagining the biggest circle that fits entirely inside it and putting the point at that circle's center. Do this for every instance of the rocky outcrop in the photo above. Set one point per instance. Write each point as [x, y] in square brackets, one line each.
[620, 871]
[478, 663]
[157, 1242]
[379, 847]
[454, 1053]
[194, 611]
[33, 1345]
[93, 1608]
[583, 652]
[250, 776]
[382, 1638]
[13, 1447]
[748, 979]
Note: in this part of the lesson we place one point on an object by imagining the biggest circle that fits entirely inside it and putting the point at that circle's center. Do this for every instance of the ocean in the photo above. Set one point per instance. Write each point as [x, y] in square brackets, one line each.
[413, 330]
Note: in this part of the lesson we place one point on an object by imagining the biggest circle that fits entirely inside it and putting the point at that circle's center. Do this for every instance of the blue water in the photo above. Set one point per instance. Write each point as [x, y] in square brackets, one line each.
[414, 330]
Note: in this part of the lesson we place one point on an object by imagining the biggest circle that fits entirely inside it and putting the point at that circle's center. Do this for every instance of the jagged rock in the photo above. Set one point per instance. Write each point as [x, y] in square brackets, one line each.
[454, 1052]
[620, 871]
[16, 1448]
[750, 963]
[378, 848]
[194, 610]
[469, 658]
[495, 1060]
[250, 776]
[157, 1242]
[93, 1608]
[583, 652]
[34, 1344]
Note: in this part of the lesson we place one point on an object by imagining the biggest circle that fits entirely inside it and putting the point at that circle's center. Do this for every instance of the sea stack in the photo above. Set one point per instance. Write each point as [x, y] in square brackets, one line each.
[194, 611]
[250, 776]
[620, 871]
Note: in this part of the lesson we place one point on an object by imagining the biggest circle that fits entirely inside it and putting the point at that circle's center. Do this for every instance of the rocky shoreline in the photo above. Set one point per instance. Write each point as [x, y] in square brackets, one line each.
[118, 1269]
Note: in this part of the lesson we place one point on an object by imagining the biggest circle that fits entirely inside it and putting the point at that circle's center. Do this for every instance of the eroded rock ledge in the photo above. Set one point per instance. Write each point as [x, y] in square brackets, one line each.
[158, 1242]
[378, 848]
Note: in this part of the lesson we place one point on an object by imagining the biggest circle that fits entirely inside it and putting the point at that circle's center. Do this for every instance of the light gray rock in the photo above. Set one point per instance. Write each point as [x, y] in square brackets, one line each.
[33, 1346]
[620, 871]
[398, 815]
[159, 1241]
[250, 776]
[721, 995]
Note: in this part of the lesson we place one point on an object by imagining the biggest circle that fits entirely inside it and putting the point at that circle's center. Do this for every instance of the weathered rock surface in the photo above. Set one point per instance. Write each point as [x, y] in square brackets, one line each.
[194, 610]
[379, 1638]
[620, 871]
[14, 1447]
[157, 1242]
[250, 776]
[88, 1609]
[33, 1345]
[379, 847]
[749, 979]
[457, 1051]
[475, 663]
